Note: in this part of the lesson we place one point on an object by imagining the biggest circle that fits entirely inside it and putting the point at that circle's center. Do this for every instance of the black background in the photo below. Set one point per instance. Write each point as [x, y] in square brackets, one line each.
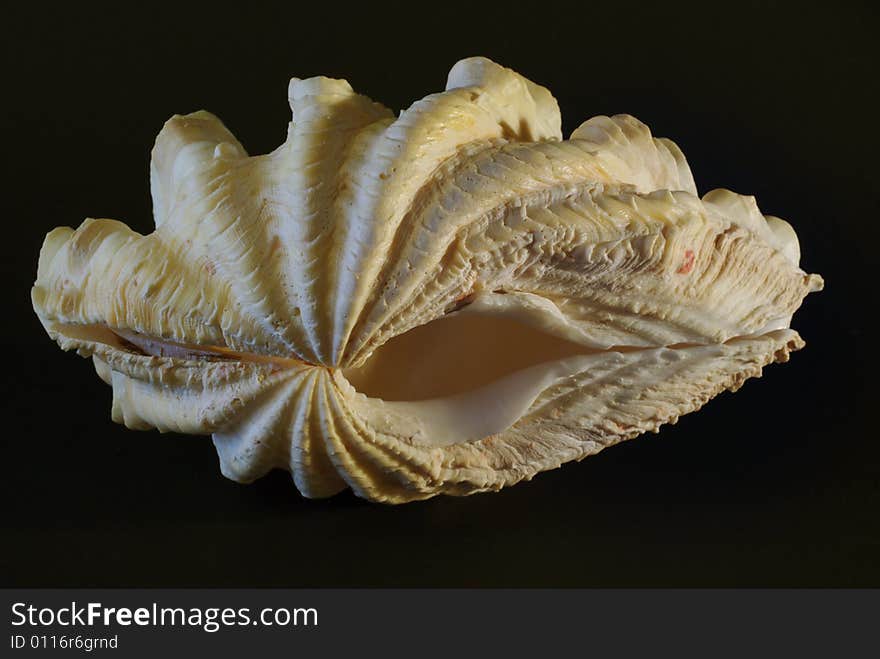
[776, 485]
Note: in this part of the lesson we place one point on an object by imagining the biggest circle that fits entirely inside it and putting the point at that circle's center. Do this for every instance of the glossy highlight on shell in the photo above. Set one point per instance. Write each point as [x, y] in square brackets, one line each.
[446, 301]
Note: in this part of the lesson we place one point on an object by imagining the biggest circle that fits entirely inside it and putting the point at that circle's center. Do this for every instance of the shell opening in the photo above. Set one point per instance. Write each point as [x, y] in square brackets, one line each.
[137, 343]
[457, 353]
[471, 373]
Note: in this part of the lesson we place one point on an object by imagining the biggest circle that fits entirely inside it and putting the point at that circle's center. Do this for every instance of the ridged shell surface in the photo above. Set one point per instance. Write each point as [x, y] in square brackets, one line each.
[446, 301]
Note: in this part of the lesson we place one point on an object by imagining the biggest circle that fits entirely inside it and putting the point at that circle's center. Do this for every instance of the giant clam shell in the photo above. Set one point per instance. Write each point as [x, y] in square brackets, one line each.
[447, 301]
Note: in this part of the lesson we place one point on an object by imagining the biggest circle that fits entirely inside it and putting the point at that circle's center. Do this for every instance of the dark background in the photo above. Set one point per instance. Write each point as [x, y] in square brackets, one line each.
[776, 485]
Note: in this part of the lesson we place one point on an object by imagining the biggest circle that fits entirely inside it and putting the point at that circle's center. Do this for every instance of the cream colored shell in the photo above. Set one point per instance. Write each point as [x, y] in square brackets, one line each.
[447, 301]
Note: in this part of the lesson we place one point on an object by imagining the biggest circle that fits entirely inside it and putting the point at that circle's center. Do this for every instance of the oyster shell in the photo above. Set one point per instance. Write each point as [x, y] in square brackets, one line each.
[447, 301]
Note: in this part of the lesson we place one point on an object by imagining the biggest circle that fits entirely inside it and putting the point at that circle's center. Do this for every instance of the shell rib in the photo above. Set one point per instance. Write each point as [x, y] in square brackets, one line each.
[449, 301]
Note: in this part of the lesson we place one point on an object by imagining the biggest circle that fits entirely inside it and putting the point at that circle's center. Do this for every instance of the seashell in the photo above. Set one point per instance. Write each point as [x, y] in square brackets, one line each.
[447, 301]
